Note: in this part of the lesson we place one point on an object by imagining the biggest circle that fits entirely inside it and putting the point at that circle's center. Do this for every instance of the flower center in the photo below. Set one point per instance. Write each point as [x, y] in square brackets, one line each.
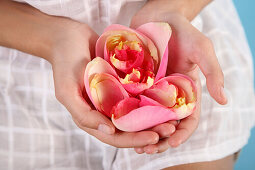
[131, 59]
[138, 76]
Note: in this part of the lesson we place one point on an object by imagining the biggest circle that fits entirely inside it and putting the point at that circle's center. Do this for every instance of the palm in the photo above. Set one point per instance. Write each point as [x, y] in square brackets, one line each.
[189, 51]
[183, 51]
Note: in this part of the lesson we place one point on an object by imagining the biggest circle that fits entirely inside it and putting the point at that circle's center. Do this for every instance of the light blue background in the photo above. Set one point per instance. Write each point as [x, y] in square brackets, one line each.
[246, 10]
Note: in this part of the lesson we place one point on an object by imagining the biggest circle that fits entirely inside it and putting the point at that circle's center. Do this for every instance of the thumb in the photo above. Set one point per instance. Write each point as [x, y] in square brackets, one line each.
[134, 24]
[211, 69]
[80, 110]
[94, 120]
[137, 20]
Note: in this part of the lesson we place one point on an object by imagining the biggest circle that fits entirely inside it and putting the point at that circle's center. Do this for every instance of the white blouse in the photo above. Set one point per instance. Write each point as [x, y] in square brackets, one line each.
[37, 132]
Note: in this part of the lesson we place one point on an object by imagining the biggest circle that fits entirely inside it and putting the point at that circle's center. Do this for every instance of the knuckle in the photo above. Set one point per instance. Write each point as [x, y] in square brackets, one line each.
[115, 141]
[196, 53]
[196, 57]
[206, 43]
[203, 46]
[82, 121]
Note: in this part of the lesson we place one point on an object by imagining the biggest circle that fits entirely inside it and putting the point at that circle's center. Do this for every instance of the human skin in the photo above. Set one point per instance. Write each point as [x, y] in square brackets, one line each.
[68, 46]
[68, 51]
[189, 51]
[226, 163]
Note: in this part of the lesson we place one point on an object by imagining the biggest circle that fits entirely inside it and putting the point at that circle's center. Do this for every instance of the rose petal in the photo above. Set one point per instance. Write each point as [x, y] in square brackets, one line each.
[144, 118]
[106, 92]
[102, 45]
[128, 65]
[183, 83]
[150, 113]
[181, 112]
[136, 88]
[100, 66]
[160, 34]
[125, 106]
[97, 65]
[184, 110]
[163, 92]
[146, 101]
[120, 29]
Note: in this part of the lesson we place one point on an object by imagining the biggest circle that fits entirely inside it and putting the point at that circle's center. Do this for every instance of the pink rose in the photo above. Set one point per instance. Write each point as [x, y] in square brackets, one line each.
[127, 80]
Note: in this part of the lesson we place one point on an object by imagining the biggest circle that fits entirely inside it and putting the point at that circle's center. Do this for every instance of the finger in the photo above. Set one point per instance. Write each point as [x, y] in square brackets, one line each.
[151, 149]
[70, 95]
[209, 65]
[160, 147]
[164, 129]
[189, 124]
[139, 150]
[126, 139]
[163, 145]
[173, 122]
[135, 139]
[204, 56]
[184, 130]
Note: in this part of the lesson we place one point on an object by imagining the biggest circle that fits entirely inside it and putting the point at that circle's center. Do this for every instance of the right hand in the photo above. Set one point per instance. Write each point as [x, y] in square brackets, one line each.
[189, 51]
[72, 50]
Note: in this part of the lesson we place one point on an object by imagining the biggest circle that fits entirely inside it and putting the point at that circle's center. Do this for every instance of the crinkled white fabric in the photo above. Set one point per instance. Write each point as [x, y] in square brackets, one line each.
[36, 131]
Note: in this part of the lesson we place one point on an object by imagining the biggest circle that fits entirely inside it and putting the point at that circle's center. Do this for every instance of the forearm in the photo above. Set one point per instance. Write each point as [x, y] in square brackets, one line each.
[188, 8]
[25, 28]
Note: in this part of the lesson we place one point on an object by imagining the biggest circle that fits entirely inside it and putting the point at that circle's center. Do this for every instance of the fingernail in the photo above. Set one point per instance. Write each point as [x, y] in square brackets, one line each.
[150, 150]
[105, 129]
[223, 94]
[140, 150]
[153, 140]
[155, 151]
[174, 144]
[172, 130]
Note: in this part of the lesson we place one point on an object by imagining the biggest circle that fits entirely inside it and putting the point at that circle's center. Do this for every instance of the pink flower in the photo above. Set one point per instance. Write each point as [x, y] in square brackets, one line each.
[127, 80]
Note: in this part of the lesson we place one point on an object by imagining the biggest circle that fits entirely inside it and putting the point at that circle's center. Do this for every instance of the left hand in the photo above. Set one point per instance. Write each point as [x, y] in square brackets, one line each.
[189, 50]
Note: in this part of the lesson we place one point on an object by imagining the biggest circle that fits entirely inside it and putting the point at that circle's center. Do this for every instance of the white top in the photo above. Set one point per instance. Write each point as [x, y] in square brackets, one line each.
[36, 131]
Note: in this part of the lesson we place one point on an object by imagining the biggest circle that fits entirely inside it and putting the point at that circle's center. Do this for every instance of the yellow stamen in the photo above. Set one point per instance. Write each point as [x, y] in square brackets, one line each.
[127, 78]
[119, 46]
[150, 81]
[137, 73]
[117, 41]
[113, 41]
[181, 101]
[133, 45]
[113, 58]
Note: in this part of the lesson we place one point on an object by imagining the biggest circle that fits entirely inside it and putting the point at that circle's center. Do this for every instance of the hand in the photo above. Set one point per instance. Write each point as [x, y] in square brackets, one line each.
[68, 46]
[73, 49]
[188, 50]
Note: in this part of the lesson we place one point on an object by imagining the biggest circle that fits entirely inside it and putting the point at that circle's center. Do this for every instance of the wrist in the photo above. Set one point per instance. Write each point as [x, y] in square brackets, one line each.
[167, 10]
[71, 41]
[59, 33]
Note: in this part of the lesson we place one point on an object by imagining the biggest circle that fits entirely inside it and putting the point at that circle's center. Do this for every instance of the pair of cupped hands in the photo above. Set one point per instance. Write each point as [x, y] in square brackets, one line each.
[189, 52]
